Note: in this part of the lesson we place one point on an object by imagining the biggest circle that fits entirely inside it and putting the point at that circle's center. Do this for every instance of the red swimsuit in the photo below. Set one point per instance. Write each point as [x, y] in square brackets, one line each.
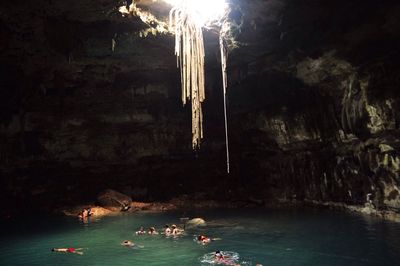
[70, 250]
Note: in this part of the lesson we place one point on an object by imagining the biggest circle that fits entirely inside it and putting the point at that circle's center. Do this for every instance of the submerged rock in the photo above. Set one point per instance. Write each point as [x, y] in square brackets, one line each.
[195, 222]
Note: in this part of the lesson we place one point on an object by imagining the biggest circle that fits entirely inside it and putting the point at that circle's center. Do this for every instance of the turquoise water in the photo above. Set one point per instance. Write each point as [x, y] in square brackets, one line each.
[266, 237]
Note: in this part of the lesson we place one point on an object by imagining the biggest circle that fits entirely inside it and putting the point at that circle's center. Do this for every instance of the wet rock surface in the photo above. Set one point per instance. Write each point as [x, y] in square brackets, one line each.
[313, 100]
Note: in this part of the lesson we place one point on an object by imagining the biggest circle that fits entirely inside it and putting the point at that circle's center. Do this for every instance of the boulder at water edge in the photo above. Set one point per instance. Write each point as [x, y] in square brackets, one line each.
[114, 200]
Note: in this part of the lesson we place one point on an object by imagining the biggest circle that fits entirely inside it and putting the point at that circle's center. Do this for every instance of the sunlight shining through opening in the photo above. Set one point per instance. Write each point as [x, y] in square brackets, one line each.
[203, 12]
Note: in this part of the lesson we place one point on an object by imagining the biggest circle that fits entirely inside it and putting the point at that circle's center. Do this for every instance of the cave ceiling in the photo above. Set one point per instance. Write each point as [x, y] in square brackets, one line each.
[279, 33]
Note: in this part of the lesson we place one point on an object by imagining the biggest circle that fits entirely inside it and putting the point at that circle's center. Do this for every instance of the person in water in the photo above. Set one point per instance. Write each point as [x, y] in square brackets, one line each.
[68, 250]
[141, 231]
[218, 255]
[128, 243]
[175, 230]
[203, 239]
[152, 231]
[167, 230]
[219, 258]
[83, 214]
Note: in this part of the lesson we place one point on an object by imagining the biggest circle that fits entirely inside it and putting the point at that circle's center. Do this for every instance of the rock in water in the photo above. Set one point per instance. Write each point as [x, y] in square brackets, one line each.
[195, 222]
[114, 200]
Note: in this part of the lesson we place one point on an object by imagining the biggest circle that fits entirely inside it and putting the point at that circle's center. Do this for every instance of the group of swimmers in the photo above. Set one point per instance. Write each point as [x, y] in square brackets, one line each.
[173, 230]
[168, 231]
[151, 231]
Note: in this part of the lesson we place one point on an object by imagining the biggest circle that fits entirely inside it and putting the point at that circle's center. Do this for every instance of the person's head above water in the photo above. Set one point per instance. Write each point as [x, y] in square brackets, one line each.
[218, 254]
[53, 249]
[166, 226]
[173, 226]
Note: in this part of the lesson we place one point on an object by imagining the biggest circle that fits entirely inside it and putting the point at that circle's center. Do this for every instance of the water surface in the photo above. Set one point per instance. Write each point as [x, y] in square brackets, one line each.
[273, 238]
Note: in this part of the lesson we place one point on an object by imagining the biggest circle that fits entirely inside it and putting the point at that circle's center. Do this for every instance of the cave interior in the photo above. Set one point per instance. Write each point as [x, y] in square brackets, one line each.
[91, 100]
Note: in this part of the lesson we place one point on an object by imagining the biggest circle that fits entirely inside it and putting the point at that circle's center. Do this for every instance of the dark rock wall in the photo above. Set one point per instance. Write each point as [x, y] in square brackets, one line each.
[317, 106]
[87, 104]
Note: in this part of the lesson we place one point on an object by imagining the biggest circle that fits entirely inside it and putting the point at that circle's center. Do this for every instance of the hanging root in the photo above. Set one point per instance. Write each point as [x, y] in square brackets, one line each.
[189, 49]
[224, 58]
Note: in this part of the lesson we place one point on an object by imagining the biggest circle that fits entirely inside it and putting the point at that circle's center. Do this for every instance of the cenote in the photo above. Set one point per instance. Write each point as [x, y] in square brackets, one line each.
[284, 237]
[276, 121]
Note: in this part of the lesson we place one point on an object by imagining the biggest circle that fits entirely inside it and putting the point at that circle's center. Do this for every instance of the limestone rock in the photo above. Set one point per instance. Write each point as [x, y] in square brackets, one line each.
[114, 200]
[96, 211]
[195, 222]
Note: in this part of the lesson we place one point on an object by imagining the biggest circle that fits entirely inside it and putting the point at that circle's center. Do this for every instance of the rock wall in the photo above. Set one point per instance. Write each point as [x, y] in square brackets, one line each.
[327, 132]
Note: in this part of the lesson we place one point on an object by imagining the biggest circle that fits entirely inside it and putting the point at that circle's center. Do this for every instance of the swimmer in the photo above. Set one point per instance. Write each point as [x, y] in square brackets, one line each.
[152, 231]
[221, 259]
[175, 230]
[141, 231]
[203, 239]
[83, 214]
[130, 244]
[68, 250]
[218, 255]
[167, 230]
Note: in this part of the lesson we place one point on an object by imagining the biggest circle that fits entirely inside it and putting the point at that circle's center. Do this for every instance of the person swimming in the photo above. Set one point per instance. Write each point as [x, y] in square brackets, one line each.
[141, 231]
[167, 230]
[175, 230]
[152, 231]
[83, 214]
[68, 250]
[203, 239]
[219, 258]
[128, 243]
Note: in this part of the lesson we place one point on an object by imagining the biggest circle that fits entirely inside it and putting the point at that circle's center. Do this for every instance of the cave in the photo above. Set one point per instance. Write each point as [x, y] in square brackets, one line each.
[307, 126]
